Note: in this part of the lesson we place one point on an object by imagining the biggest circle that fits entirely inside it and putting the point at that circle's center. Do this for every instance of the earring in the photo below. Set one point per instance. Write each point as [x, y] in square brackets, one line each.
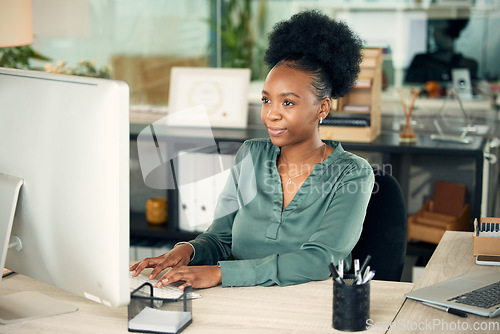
[320, 120]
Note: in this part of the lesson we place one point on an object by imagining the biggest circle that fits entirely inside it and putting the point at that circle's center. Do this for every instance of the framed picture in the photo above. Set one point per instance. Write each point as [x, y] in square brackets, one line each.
[217, 94]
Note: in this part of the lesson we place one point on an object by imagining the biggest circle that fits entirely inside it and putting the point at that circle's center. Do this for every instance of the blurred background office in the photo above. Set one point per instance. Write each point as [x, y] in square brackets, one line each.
[138, 41]
[422, 40]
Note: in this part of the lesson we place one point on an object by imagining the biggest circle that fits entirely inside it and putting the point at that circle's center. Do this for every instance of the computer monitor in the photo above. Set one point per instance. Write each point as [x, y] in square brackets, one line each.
[67, 139]
[444, 53]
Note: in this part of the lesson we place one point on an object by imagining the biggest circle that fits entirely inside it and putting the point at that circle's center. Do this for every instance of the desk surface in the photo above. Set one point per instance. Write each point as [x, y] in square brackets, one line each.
[453, 257]
[301, 308]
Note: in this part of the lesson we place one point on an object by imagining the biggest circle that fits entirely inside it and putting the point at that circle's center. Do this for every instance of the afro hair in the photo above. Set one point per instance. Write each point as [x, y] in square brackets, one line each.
[312, 42]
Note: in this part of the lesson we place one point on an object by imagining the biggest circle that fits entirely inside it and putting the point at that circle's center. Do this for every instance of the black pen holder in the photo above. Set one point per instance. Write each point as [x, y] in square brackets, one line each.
[351, 305]
[150, 314]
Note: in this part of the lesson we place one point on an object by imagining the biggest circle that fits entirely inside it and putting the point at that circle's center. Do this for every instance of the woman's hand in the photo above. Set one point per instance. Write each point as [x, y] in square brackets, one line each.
[178, 256]
[195, 276]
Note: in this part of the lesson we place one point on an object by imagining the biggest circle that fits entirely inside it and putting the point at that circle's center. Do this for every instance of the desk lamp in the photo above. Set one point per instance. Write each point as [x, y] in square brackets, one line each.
[16, 23]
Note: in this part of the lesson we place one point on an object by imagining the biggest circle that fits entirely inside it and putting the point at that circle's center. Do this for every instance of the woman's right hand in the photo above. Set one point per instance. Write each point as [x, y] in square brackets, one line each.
[180, 255]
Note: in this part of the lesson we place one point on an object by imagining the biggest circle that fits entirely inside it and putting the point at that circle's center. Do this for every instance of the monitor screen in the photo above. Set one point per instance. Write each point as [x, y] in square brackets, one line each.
[444, 53]
[67, 138]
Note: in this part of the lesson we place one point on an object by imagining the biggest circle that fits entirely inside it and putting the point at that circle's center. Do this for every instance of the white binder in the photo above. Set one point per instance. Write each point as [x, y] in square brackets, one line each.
[201, 178]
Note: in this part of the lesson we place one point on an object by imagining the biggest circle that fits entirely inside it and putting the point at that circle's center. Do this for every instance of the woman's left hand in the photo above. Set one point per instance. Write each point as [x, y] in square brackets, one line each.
[195, 276]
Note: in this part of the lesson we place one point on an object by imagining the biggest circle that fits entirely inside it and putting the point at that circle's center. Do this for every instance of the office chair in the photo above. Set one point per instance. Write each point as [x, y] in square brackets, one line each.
[384, 229]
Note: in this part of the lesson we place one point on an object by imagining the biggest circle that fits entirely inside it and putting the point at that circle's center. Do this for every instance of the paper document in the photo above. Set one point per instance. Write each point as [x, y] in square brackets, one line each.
[160, 321]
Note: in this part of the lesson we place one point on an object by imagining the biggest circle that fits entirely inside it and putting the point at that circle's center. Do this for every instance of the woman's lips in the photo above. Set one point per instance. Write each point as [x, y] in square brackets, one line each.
[275, 131]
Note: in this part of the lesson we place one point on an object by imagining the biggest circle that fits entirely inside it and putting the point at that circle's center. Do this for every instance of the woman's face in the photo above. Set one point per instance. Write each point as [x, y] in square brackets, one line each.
[442, 37]
[290, 110]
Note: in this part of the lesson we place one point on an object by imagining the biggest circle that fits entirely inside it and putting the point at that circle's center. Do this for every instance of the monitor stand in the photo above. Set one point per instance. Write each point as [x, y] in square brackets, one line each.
[23, 305]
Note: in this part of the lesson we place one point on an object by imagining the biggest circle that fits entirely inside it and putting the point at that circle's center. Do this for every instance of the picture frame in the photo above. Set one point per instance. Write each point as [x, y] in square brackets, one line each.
[217, 94]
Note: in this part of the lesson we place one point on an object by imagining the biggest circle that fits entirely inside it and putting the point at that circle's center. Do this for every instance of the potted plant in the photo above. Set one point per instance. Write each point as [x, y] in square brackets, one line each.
[241, 35]
[19, 57]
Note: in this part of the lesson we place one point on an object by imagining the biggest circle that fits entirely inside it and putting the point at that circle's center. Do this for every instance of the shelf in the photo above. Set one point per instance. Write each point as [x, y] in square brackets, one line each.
[437, 10]
[362, 101]
[140, 228]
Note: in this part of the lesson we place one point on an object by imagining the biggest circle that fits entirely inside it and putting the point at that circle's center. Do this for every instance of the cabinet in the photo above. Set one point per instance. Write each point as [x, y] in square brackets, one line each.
[356, 117]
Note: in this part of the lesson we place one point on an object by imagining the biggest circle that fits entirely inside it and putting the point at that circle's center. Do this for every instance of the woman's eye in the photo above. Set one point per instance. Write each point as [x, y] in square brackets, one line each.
[264, 100]
[288, 103]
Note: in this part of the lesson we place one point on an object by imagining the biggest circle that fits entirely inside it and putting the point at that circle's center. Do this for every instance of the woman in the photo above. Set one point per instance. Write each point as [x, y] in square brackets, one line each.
[294, 203]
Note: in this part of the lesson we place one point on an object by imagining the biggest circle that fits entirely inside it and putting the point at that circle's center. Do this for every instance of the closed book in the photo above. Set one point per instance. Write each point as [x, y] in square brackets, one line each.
[358, 108]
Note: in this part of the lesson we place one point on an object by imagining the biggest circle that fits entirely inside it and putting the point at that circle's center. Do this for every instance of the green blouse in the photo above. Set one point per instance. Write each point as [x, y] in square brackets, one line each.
[321, 224]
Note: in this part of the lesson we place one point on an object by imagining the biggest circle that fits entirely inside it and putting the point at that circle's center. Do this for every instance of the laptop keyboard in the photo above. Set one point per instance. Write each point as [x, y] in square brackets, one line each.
[484, 297]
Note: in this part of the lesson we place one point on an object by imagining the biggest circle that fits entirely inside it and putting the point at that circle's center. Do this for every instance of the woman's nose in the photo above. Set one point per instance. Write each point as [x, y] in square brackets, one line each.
[272, 113]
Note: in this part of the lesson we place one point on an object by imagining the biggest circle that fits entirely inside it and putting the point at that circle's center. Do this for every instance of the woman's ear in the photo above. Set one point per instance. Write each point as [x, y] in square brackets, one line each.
[324, 107]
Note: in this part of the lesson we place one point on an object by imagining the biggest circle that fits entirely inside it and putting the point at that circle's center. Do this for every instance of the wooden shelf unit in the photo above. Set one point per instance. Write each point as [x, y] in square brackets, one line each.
[363, 101]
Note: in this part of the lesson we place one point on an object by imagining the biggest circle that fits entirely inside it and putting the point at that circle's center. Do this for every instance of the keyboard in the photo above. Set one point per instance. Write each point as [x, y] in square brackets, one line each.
[169, 291]
[484, 297]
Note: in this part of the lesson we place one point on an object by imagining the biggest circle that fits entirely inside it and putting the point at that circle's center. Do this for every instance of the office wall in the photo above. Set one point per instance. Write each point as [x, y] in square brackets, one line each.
[100, 29]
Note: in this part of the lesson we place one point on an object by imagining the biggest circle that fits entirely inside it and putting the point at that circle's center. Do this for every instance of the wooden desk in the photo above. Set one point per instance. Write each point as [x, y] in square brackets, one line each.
[453, 257]
[301, 308]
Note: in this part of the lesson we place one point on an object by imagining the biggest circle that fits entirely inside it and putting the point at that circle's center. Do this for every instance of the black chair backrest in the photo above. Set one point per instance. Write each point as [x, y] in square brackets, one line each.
[384, 229]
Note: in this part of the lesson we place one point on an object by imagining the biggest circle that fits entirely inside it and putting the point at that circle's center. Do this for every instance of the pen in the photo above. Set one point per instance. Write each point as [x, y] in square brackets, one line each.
[367, 271]
[447, 309]
[368, 277]
[335, 274]
[357, 279]
[365, 263]
[341, 268]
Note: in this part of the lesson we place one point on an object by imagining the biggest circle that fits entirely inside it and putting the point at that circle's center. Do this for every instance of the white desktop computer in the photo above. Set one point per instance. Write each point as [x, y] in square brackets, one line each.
[64, 185]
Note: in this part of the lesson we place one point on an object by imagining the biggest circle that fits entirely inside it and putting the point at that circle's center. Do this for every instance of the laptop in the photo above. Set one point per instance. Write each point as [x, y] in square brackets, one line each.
[477, 292]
